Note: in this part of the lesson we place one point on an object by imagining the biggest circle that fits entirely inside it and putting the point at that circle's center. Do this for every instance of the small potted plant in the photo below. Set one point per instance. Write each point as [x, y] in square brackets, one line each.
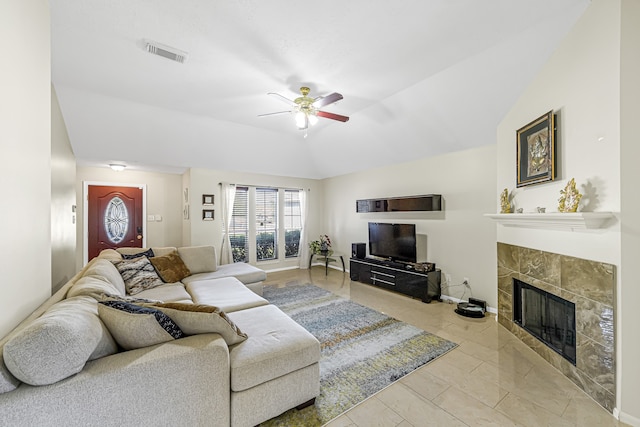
[322, 246]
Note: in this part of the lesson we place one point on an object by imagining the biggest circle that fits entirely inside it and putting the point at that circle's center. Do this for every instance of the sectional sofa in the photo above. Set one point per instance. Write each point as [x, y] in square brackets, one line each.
[206, 350]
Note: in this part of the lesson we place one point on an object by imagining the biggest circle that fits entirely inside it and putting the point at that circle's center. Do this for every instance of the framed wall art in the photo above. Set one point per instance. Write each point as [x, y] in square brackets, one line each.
[536, 151]
[207, 199]
[207, 214]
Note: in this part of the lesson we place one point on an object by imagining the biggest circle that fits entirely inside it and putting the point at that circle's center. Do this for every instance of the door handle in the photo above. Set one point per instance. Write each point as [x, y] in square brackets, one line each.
[139, 230]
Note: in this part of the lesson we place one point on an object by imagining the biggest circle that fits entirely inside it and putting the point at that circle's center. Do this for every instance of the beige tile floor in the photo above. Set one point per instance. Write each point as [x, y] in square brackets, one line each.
[490, 379]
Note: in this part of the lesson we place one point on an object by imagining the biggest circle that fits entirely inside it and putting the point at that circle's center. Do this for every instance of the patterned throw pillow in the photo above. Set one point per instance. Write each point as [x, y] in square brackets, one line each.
[138, 275]
[170, 267]
[148, 253]
[202, 319]
[133, 326]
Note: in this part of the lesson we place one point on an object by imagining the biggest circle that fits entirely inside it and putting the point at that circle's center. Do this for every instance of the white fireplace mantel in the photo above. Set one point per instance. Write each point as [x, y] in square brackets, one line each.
[554, 220]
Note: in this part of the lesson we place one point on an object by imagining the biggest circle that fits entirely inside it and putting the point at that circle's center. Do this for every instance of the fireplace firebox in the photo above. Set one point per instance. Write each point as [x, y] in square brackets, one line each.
[547, 317]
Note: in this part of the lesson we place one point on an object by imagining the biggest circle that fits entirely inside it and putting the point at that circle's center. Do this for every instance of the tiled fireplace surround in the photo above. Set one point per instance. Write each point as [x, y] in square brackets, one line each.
[590, 285]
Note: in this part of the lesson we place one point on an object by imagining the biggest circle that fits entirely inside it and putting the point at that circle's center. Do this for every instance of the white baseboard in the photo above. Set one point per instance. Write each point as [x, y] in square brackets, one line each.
[626, 418]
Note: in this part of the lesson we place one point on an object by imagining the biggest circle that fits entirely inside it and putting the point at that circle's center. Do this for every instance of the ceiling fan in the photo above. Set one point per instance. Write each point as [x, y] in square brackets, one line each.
[306, 110]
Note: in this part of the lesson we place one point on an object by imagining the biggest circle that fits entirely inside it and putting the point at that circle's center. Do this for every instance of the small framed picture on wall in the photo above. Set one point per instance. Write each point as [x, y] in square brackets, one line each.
[207, 200]
[207, 214]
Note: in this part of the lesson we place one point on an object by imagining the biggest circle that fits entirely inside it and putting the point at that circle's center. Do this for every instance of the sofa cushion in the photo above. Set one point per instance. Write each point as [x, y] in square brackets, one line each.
[276, 346]
[138, 275]
[134, 326]
[110, 255]
[59, 343]
[199, 259]
[244, 272]
[167, 292]
[92, 286]
[105, 270]
[227, 293]
[170, 268]
[196, 319]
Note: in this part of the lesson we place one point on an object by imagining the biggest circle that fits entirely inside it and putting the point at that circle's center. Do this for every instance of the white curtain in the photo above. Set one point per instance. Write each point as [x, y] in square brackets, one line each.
[303, 252]
[228, 197]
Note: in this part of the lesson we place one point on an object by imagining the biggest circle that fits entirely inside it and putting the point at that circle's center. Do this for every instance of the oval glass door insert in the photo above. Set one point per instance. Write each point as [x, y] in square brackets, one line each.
[116, 220]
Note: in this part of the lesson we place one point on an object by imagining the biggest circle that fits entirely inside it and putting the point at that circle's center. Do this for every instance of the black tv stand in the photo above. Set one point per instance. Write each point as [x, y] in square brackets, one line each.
[396, 276]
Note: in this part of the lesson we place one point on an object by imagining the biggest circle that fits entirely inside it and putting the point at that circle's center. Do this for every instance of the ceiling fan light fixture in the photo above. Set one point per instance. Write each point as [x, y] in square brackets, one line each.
[301, 120]
[313, 119]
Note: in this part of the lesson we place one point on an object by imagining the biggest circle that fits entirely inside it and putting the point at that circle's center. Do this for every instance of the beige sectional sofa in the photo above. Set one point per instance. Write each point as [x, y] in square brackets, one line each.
[66, 365]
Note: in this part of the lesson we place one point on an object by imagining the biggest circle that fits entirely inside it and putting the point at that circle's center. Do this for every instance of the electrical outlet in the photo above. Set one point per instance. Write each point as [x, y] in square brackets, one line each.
[447, 278]
[466, 281]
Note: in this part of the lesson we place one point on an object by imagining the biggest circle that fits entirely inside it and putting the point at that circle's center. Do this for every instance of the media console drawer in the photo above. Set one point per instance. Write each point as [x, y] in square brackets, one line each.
[423, 285]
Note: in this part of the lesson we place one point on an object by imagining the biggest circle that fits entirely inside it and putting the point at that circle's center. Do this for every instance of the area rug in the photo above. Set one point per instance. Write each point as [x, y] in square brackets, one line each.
[362, 350]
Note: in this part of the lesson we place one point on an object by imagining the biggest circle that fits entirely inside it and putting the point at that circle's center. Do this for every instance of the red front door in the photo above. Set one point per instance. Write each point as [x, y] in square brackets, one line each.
[114, 218]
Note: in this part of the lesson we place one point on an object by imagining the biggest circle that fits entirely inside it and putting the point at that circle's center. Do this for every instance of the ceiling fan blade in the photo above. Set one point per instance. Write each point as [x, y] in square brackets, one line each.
[273, 114]
[282, 98]
[332, 116]
[326, 100]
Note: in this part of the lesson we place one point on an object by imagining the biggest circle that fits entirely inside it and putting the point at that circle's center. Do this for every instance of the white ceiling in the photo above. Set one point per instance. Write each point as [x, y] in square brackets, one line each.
[419, 78]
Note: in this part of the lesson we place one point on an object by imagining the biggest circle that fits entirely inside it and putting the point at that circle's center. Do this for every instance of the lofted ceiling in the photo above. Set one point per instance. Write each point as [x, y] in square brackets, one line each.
[419, 78]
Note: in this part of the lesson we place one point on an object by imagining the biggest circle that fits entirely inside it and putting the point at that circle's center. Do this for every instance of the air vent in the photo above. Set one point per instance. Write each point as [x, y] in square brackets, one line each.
[166, 51]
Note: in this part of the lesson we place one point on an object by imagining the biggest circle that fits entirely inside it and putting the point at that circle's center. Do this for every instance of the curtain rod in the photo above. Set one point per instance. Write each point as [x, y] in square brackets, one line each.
[265, 186]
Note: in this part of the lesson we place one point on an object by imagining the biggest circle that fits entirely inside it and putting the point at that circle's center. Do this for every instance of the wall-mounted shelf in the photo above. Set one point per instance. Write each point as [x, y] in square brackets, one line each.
[556, 220]
[429, 202]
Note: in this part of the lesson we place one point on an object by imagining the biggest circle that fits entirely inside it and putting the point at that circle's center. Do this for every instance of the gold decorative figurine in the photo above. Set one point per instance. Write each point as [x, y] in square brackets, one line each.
[569, 198]
[505, 204]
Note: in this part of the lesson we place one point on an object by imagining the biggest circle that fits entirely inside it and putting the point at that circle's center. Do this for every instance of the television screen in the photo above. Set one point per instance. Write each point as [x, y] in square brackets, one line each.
[393, 241]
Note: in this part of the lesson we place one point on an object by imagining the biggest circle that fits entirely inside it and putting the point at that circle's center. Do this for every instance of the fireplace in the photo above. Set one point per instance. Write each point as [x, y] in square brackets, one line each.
[562, 284]
[547, 317]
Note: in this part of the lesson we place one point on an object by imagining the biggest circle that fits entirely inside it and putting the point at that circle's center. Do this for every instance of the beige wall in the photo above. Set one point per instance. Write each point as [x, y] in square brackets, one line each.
[580, 82]
[205, 181]
[163, 198]
[585, 83]
[459, 240]
[629, 272]
[63, 200]
[25, 135]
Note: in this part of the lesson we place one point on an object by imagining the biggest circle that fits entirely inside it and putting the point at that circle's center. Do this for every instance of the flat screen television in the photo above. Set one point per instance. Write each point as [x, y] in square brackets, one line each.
[396, 242]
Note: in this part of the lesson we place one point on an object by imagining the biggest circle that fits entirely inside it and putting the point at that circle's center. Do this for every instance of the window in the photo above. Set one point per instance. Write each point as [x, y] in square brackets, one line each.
[239, 229]
[266, 223]
[292, 223]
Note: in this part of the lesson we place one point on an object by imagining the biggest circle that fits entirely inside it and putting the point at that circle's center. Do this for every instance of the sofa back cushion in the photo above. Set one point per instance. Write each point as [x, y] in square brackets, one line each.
[110, 255]
[94, 287]
[59, 343]
[199, 259]
[106, 271]
[8, 382]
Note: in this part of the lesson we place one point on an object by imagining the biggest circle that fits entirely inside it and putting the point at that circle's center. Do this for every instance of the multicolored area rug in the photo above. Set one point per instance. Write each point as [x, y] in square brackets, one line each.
[362, 350]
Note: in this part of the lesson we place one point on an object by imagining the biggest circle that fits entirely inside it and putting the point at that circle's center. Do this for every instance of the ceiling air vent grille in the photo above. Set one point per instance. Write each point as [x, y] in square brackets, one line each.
[166, 51]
